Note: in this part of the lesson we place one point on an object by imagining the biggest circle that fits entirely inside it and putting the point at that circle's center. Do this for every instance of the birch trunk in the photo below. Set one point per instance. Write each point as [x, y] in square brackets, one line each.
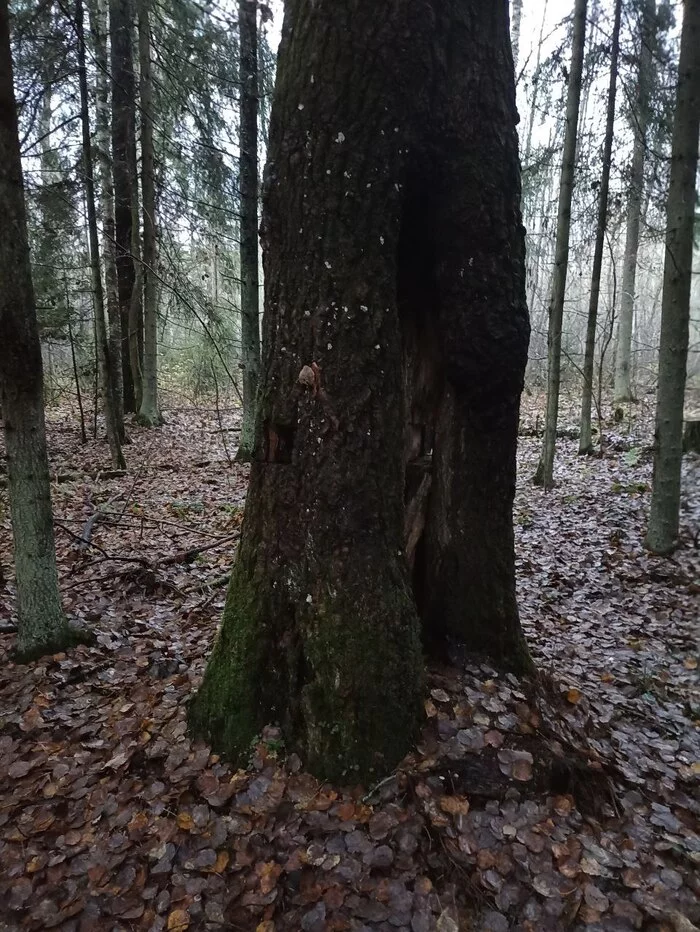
[103, 357]
[99, 31]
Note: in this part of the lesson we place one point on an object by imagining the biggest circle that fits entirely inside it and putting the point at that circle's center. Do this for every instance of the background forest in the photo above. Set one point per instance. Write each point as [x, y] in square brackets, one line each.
[195, 135]
[282, 260]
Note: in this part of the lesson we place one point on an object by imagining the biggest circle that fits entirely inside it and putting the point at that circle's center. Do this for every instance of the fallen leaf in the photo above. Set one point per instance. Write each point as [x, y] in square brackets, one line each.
[185, 821]
[178, 920]
[454, 805]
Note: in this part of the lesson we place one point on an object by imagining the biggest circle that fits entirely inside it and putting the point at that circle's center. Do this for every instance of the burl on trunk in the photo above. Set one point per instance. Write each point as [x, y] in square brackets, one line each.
[395, 340]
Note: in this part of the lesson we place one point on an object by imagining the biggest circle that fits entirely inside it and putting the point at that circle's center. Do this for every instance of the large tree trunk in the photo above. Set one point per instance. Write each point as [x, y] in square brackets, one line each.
[586, 435]
[149, 415]
[42, 626]
[99, 31]
[662, 533]
[248, 184]
[545, 470]
[395, 328]
[103, 357]
[640, 119]
[125, 194]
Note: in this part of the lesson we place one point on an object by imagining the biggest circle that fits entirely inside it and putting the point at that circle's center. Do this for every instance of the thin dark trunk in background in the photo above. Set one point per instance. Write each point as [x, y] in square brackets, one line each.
[99, 32]
[586, 437]
[662, 534]
[545, 470]
[640, 121]
[149, 414]
[76, 375]
[248, 183]
[101, 342]
[125, 191]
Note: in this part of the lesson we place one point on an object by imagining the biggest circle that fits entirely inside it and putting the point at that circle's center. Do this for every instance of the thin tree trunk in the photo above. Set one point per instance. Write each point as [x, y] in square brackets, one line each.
[536, 78]
[42, 626]
[99, 31]
[149, 415]
[515, 21]
[395, 327]
[662, 534]
[545, 469]
[125, 192]
[102, 345]
[640, 119]
[248, 182]
[135, 314]
[76, 376]
[586, 435]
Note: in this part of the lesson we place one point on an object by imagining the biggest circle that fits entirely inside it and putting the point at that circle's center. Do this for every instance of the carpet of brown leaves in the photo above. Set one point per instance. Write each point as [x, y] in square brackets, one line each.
[569, 802]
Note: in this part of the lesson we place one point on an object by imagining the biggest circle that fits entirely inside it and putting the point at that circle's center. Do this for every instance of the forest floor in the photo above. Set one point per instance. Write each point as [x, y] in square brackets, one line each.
[566, 802]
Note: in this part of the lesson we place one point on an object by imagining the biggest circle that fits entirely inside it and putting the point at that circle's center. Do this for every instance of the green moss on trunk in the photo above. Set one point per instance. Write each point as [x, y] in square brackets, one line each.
[338, 668]
[229, 708]
[55, 642]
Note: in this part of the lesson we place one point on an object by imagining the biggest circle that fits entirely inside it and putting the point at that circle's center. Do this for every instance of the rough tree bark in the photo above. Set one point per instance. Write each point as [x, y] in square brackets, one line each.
[586, 435]
[662, 533]
[149, 415]
[248, 183]
[99, 32]
[104, 360]
[125, 194]
[395, 342]
[42, 626]
[640, 120]
[545, 470]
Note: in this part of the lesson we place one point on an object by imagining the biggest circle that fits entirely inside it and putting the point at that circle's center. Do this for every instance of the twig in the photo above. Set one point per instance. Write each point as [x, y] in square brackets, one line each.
[106, 556]
[187, 556]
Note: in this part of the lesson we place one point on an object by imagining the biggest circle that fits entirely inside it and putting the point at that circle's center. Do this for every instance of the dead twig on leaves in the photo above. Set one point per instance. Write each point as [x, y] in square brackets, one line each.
[183, 556]
[105, 555]
[187, 556]
[93, 475]
[117, 519]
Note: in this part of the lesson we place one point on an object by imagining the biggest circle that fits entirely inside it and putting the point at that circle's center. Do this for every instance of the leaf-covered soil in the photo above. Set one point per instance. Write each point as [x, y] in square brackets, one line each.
[566, 802]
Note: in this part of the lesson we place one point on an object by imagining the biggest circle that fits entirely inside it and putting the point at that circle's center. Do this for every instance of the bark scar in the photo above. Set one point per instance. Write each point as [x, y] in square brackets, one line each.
[310, 378]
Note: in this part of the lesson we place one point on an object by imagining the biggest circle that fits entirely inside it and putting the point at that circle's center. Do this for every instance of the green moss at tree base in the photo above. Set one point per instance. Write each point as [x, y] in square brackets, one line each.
[63, 639]
[342, 675]
[362, 701]
[228, 709]
[150, 419]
